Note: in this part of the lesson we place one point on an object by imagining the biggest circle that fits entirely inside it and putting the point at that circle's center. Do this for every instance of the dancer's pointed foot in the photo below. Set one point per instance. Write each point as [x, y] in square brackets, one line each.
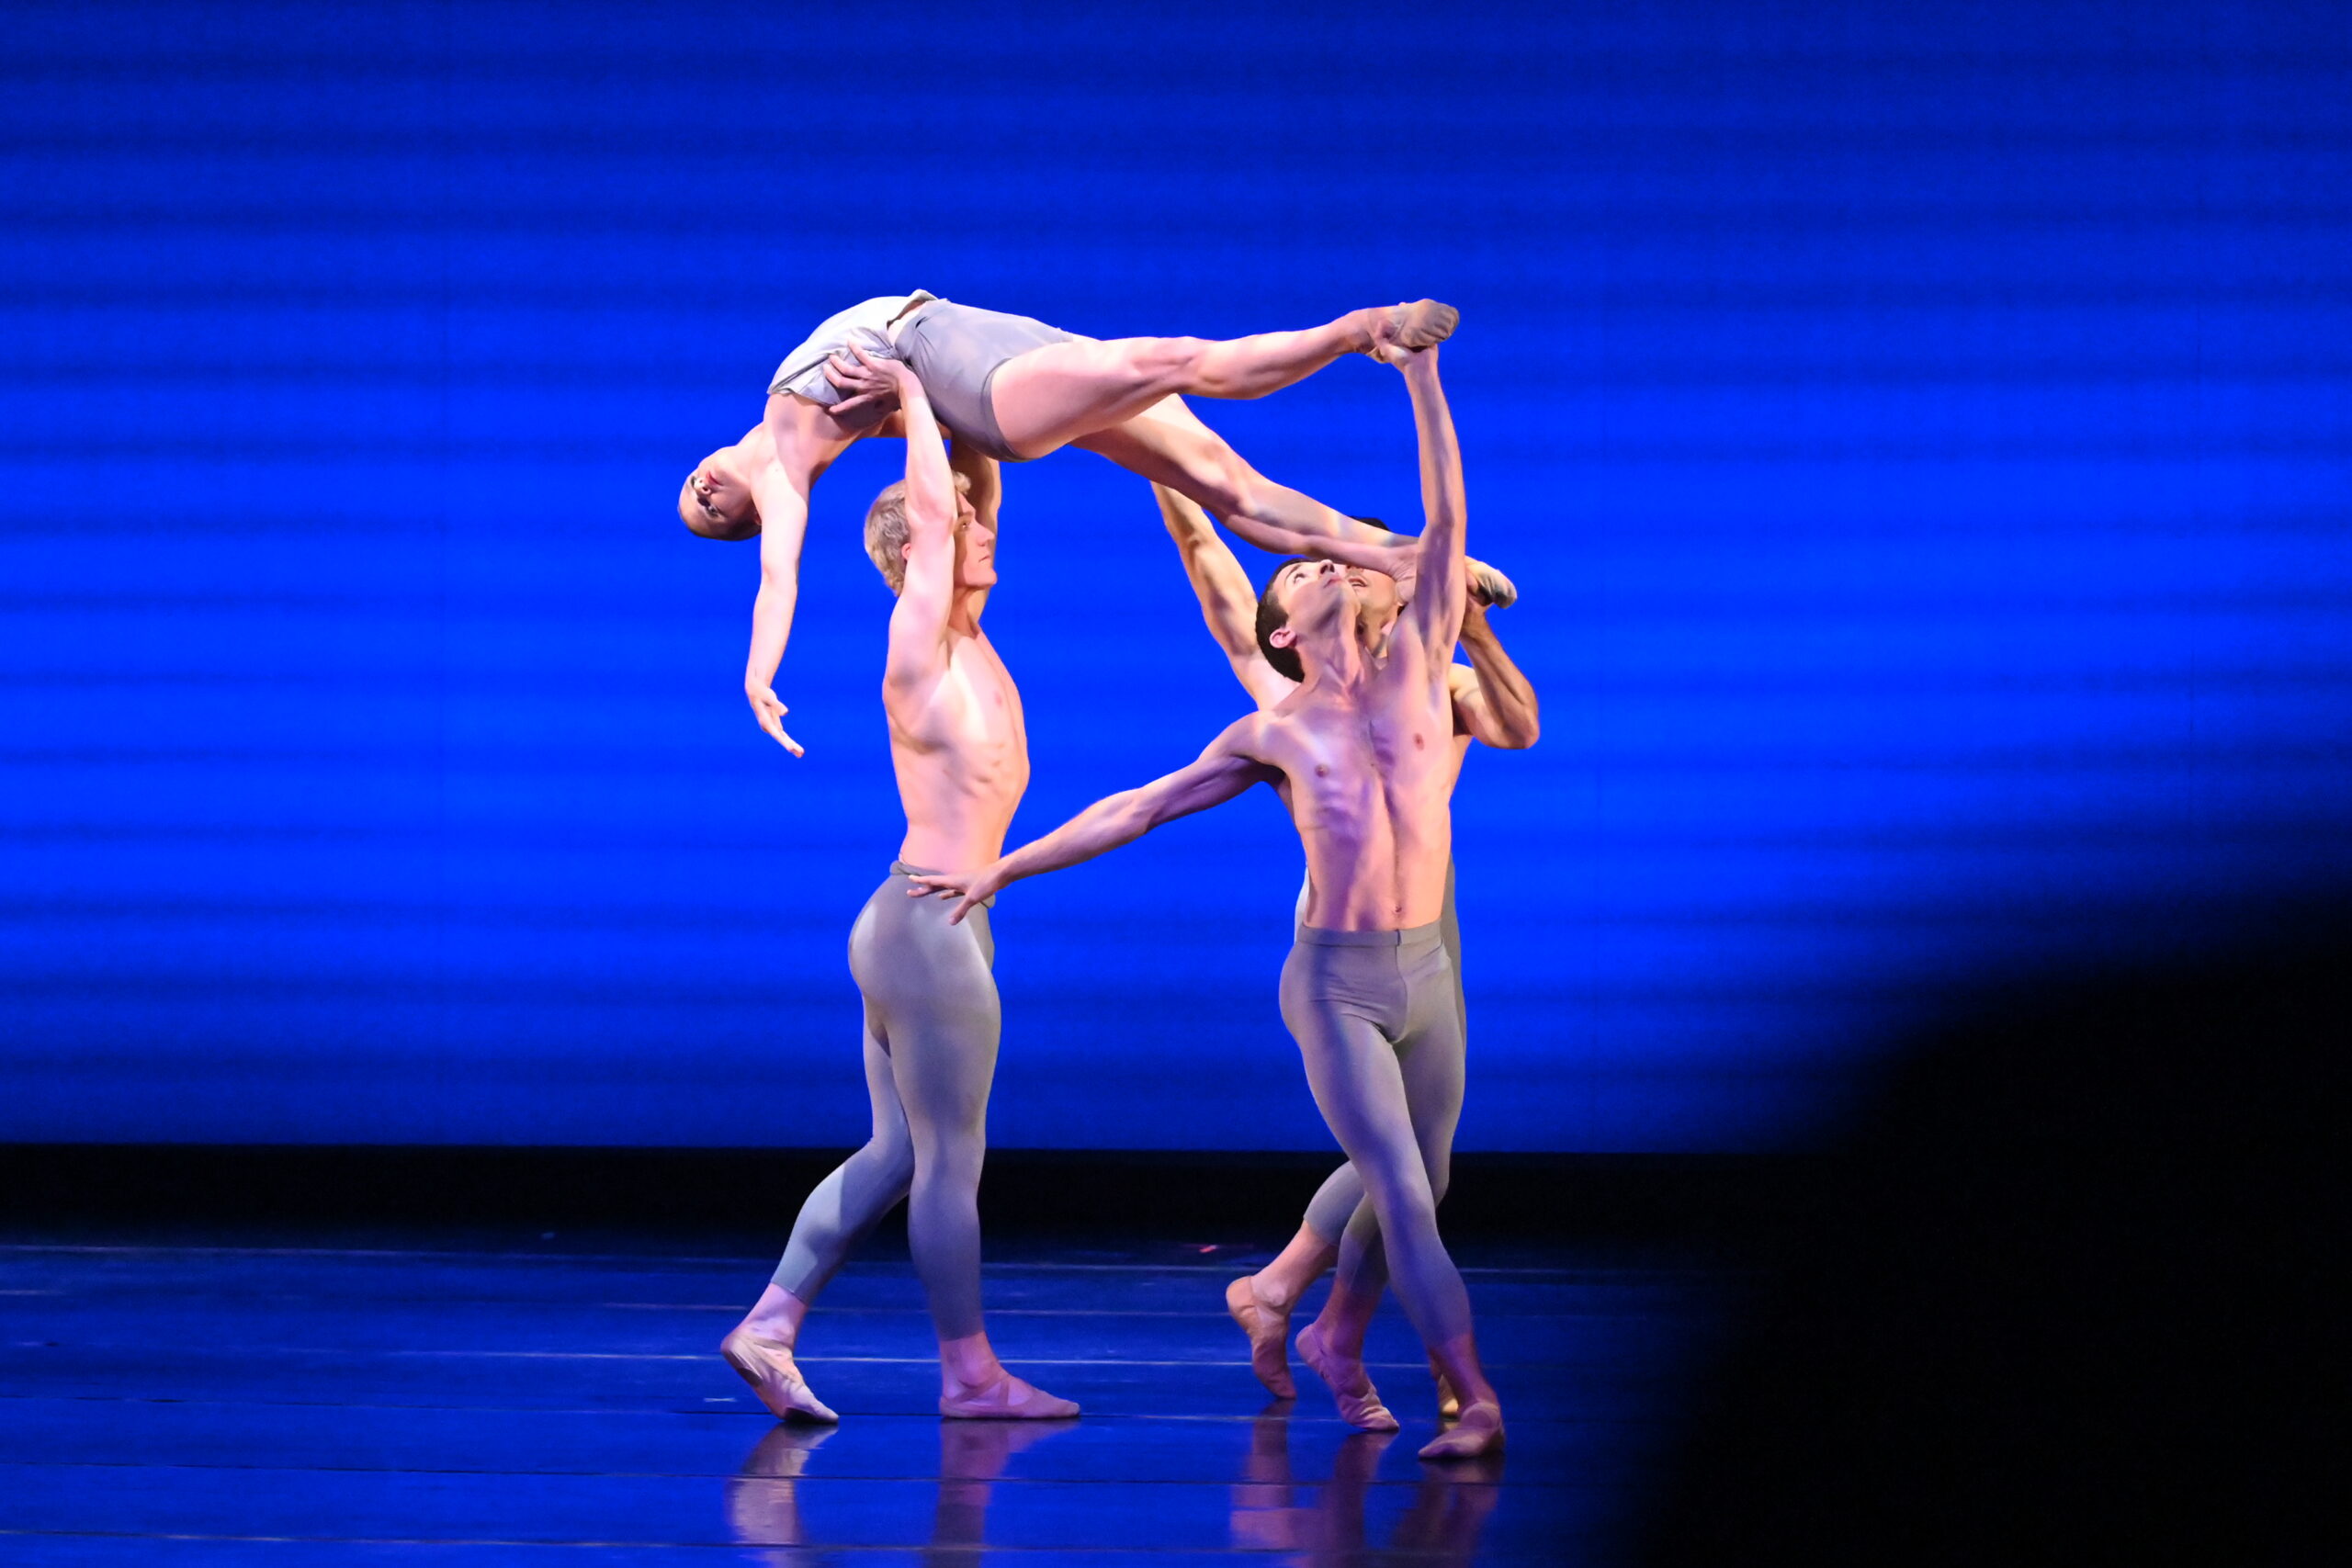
[1449, 1404]
[768, 1367]
[1359, 1401]
[1402, 331]
[1007, 1398]
[1267, 1328]
[1498, 591]
[1480, 1431]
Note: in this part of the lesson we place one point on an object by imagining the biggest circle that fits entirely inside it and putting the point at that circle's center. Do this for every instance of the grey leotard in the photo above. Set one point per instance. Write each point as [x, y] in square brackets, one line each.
[1374, 1016]
[931, 1023]
[957, 351]
[865, 325]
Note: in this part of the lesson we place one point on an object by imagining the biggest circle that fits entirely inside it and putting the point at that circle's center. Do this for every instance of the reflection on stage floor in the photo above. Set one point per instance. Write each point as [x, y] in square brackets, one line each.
[547, 1402]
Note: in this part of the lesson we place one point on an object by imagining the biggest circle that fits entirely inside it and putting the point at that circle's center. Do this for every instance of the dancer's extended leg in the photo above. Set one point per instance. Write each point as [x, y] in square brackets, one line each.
[836, 1217]
[1053, 395]
[1261, 1303]
[1168, 443]
[930, 983]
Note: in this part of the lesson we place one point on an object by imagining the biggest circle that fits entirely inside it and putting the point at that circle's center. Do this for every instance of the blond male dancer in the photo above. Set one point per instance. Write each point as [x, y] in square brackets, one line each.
[1493, 704]
[1363, 751]
[1014, 388]
[961, 760]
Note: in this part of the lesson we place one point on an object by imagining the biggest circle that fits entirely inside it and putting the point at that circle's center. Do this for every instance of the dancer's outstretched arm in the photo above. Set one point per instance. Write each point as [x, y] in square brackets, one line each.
[1229, 604]
[1493, 699]
[1219, 773]
[783, 500]
[1435, 612]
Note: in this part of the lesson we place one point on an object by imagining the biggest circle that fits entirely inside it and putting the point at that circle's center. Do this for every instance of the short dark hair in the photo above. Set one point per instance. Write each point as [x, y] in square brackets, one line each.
[1375, 523]
[1273, 617]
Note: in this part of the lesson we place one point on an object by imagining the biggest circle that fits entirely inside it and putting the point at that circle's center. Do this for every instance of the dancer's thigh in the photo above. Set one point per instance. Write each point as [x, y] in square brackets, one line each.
[1360, 1087]
[1168, 443]
[1058, 392]
[882, 1089]
[942, 1061]
[1432, 1070]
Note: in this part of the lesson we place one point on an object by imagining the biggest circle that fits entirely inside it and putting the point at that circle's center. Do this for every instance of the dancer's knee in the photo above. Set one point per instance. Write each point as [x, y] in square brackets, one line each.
[892, 1161]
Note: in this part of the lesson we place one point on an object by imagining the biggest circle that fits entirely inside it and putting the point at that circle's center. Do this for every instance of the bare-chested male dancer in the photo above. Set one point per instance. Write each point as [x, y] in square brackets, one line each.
[1362, 749]
[961, 760]
[1493, 704]
[1015, 389]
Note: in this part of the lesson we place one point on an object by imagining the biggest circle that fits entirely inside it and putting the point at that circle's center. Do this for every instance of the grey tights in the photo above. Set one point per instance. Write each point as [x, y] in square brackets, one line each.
[1373, 1015]
[931, 1023]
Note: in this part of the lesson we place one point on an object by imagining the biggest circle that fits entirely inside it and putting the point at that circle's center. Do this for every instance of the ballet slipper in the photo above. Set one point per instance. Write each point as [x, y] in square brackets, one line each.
[1499, 592]
[1360, 1410]
[768, 1367]
[1479, 1432]
[1402, 331]
[1449, 1404]
[1267, 1329]
[1007, 1399]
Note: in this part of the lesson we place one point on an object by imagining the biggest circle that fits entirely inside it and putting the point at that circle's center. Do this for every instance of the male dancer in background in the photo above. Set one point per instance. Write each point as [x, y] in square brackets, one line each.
[1015, 389]
[1494, 704]
[961, 760]
[1364, 750]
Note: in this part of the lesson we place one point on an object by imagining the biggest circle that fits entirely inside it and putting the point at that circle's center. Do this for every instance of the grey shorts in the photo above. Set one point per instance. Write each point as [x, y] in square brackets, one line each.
[957, 351]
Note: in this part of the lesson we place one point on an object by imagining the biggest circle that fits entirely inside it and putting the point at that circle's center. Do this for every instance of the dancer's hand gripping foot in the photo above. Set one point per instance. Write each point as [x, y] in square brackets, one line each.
[1005, 1398]
[1268, 1327]
[768, 1367]
[1401, 331]
[1359, 1401]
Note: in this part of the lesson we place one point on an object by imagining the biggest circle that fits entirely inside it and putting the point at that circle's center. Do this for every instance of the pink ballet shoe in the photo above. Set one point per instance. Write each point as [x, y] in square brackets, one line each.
[1006, 1399]
[1478, 1433]
[1359, 1401]
[1267, 1329]
[768, 1367]
[1402, 331]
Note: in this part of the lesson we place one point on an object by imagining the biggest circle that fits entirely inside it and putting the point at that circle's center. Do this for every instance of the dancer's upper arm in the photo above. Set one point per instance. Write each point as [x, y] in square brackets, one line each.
[1229, 604]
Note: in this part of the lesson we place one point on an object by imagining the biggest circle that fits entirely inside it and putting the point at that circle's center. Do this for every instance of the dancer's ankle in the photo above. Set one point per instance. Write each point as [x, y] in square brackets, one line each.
[968, 1364]
[775, 1318]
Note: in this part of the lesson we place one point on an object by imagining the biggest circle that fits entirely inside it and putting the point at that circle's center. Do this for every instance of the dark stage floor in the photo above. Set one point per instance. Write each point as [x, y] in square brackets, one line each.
[446, 1399]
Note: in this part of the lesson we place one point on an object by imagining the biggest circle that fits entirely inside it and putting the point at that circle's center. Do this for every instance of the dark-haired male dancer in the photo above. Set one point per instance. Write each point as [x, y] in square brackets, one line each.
[1015, 389]
[1493, 704]
[1363, 747]
[962, 759]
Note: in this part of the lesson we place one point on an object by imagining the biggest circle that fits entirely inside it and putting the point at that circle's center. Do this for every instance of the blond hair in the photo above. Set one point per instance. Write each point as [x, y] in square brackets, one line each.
[886, 534]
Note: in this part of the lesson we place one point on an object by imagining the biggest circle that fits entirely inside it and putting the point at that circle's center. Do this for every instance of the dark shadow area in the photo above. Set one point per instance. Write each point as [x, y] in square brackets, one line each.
[1114, 1195]
[2056, 1297]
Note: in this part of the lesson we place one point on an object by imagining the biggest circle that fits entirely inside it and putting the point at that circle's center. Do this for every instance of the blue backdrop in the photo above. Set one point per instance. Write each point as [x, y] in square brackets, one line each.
[1921, 435]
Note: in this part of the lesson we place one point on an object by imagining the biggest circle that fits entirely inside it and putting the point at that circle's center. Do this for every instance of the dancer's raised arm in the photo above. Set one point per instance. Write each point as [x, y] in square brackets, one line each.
[1435, 612]
[919, 624]
[1224, 771]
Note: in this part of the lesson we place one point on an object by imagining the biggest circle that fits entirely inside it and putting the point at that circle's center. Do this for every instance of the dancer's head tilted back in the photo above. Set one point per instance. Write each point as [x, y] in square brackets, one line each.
[886, 537]
[1306, 602]
[715, 500]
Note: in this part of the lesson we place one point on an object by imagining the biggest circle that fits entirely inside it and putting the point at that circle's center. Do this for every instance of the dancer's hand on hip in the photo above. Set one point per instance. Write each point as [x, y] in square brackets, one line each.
[966, 888]
[770, 713]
